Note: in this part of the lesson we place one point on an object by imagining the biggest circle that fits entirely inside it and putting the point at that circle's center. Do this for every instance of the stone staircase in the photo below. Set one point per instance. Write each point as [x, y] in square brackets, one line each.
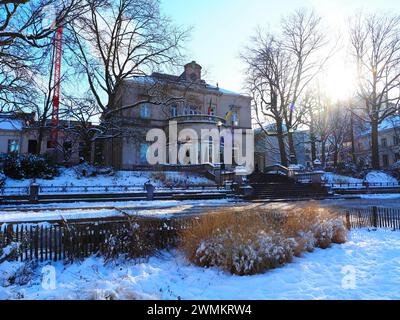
[270, 186]
[275, 191]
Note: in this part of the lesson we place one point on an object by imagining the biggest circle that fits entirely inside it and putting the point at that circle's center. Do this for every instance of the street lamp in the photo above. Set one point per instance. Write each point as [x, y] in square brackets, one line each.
[219, 125]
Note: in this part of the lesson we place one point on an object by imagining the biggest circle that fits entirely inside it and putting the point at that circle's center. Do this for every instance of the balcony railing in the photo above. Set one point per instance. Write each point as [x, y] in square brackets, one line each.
[198, 118]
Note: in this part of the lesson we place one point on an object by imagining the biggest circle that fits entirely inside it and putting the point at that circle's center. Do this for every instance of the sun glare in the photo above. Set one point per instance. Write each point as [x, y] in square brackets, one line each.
[340, 82]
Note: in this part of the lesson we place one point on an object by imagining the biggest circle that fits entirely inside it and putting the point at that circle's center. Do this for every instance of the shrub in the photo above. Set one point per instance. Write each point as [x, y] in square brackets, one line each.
[256, 240]
[29, 166]
[87, 170]
[136, 240]
[12, 167]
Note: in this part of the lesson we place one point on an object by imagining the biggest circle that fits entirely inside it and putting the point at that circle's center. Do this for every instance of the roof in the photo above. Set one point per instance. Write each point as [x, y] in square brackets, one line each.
[149, 80]
[11, 124]
[387, 124]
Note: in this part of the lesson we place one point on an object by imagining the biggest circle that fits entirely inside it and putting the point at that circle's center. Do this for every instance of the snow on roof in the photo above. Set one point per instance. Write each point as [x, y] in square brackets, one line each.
[224, 91]
[148, 80]
[388, 123]
[11, 124]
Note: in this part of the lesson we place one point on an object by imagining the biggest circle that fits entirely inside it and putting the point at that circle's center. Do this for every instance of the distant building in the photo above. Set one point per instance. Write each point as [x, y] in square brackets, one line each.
[267, 148]
[19, 134]
[389, 144]
[202, 106]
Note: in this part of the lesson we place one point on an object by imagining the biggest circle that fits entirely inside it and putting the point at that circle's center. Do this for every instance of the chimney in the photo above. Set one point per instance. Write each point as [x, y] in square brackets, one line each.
[193, 72]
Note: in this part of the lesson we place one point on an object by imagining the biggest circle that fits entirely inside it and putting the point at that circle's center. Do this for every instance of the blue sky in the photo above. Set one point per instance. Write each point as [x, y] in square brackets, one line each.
[222, 28]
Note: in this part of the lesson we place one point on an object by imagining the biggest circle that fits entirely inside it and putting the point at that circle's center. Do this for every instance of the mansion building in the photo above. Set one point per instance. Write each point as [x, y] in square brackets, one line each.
[186, 99]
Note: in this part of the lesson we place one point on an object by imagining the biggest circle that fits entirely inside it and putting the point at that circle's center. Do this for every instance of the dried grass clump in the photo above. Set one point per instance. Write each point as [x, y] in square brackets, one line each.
[254, 240]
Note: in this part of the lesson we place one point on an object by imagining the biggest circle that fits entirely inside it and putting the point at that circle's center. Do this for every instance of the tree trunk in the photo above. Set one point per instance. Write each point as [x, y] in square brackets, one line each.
[323, 153]
[313, 138]
[292, 149]
[375, 145]
[281, 143]
[353, 143]
[40, 138]
[335, 157]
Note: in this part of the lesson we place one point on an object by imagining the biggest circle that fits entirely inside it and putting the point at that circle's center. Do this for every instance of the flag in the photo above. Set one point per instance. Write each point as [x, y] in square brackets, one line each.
[227, 116]
[210, 109]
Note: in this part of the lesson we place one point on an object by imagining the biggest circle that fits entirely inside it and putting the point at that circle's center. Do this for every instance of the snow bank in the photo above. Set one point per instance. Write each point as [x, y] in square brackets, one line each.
[54, 211]
[371, 257]
[378, 176]
[337, 178]
[372, 177]
[69, 177]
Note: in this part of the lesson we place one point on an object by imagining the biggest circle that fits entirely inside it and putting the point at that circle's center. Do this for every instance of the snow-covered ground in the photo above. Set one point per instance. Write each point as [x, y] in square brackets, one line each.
[161, 209]
[69, 177]
[372, 177]
[366, 267]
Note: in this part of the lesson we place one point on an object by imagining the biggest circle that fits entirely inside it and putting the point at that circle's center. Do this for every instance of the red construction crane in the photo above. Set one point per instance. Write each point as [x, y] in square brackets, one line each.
[57, 80]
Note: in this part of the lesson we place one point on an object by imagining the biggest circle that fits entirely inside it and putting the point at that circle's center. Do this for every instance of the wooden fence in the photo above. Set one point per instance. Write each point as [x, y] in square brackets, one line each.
[46, 242]
[373, 217]
[78, 240]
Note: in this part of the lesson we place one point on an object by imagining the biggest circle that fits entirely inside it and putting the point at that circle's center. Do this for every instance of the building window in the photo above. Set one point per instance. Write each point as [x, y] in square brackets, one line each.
[32, 146]
[143, 153]
[235, 119]
[191, 110]
[145, 111]
[67, 146]
[385, 160]
[384, 142]
[174, 111]
[397, 156]
[13, 146]
[396, 140]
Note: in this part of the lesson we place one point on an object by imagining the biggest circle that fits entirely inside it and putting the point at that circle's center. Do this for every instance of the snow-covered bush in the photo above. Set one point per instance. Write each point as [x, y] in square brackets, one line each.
[9, 252]
[87, 170]
[135, 240]
[395, 170]
[29, 166]
[348, 169]
[11, 272]
[251, 242]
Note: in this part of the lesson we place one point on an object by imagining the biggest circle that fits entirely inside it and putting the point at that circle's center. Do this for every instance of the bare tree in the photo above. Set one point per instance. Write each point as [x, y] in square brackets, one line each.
[80, 113]
[280, 68]
[118, 40]
[266, 62]
[375, 41]
[26, 28]
[339, 123]
[303, 38]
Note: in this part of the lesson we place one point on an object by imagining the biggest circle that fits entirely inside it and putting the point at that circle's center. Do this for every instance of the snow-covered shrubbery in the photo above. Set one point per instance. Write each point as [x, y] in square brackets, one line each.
[247, 243]
[87, 170]
[13, 273]
[395, 170]
[137, 240]
[28, 167]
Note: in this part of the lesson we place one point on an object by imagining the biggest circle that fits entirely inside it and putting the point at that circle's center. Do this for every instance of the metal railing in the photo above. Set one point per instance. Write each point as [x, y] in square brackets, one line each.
[114, 189]
[362, 185]
[198, 117]
[14, 191]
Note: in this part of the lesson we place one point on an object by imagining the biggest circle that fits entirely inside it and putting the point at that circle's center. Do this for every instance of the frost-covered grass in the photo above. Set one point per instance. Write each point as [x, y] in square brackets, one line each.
[72, 177]
[251, 241]
[371, 257]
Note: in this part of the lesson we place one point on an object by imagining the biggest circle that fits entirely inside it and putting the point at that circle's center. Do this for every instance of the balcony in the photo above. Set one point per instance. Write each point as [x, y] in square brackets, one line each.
[198, 118]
